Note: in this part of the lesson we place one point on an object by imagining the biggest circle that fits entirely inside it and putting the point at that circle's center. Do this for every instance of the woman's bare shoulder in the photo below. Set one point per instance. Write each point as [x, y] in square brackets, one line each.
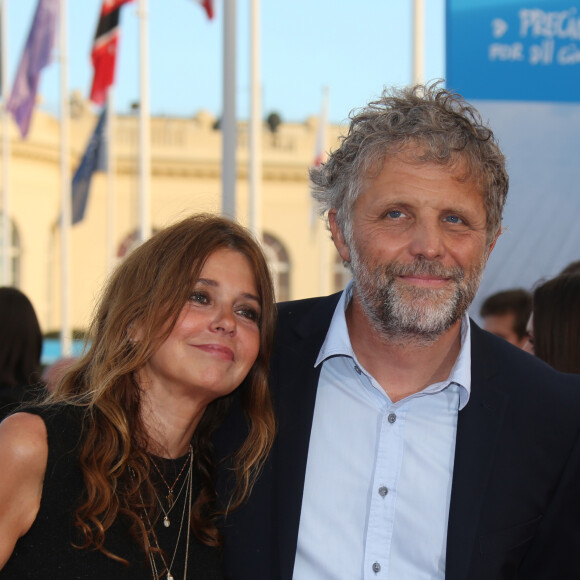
[23, 457]
[23, 438]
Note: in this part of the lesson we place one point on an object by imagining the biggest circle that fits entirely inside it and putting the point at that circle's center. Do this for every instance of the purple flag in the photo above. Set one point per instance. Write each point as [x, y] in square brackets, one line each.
[35, 57]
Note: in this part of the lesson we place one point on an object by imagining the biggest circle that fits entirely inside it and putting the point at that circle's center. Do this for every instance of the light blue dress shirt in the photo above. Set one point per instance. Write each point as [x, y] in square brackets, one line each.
[378, 477]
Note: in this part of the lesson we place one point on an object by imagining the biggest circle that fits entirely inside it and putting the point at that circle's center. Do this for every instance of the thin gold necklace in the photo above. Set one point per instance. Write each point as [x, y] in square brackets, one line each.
[170, 496]
[166, 512]
[187, 503]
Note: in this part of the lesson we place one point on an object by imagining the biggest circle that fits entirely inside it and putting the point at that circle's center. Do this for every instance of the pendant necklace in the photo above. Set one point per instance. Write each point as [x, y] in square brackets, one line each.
[187, 503]
[166, 520]
[170, 497]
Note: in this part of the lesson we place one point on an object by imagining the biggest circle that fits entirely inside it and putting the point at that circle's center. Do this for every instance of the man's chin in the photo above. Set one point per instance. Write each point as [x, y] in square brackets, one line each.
[425, 296]
[421, 316]
[425, 326]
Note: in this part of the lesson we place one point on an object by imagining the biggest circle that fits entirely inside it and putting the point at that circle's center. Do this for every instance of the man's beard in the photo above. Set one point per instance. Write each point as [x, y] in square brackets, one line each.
[405, 312]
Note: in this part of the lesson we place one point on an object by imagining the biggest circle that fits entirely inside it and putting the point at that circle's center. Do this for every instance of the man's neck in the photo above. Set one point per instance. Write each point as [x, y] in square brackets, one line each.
[406, 366]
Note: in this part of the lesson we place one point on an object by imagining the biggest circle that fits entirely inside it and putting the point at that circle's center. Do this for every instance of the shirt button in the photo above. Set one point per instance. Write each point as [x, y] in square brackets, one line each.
[383, 491]
[376, 567]
[357, 369]
[392, 418]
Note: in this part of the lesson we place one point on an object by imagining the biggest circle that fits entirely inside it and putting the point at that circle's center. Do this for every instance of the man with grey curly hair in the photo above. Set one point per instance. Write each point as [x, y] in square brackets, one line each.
[412, 130]
[412, 444]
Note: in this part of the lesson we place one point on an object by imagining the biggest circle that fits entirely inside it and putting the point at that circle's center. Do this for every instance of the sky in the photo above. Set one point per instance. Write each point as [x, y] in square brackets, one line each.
[353, 48]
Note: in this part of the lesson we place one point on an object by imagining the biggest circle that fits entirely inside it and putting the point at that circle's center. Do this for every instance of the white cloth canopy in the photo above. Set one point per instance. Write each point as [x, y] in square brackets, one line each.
[542, 215]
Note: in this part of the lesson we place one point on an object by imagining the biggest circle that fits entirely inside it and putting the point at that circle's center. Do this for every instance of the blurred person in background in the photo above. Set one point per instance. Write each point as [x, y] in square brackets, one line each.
[506, 314]
[554, 326]
[20, 349]
[571, 268]
[55, 371]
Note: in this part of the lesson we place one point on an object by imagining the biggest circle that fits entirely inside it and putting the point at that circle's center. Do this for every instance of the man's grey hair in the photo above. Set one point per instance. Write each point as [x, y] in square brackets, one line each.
[439, 125]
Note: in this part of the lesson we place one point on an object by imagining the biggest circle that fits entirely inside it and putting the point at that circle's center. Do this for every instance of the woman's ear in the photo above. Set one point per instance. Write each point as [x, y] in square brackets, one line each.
[134, 333]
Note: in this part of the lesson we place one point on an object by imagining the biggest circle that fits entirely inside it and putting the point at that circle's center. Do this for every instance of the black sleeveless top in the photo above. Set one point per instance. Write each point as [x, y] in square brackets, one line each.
[47, 550]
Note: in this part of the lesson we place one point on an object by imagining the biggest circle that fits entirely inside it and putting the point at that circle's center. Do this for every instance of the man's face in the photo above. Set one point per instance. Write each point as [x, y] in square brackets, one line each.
[503, 325]
[418, 248]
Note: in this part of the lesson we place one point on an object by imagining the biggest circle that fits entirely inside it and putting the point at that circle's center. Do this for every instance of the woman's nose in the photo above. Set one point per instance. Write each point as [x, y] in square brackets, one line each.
[224, 321]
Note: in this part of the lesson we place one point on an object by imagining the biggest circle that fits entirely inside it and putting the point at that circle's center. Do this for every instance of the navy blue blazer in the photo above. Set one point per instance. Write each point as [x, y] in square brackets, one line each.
[514, 513]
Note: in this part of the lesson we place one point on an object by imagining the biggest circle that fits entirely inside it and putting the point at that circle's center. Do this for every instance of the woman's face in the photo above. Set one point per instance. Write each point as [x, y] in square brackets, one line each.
[216, 338]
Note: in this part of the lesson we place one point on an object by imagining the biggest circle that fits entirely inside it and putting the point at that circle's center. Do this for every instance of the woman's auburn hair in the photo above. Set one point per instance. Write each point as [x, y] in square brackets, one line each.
[149, 289]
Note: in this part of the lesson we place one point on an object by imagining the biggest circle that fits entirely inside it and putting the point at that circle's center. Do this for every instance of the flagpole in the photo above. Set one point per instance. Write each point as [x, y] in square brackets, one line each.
[418, 41]
[6, 205]
[321, 148]
[229, 129]
[65, 181]
[111, 201]
[255, 168]
[144, 129]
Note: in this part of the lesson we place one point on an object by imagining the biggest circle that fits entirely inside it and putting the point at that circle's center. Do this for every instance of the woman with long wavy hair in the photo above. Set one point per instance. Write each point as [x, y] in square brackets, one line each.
[113, 476]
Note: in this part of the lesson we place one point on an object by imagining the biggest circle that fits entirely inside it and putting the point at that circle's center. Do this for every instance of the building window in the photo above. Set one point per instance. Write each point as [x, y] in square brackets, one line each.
[279, 264]
[341, 274]
[14, 255]
[130, 242]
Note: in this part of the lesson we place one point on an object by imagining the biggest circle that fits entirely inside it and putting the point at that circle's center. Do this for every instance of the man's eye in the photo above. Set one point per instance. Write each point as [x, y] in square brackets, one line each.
[199, 297]
[453, 219]
[394, 214]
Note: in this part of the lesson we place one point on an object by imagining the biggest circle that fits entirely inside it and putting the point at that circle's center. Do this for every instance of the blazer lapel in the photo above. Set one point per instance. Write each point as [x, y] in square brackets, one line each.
[293, 370]
[478, 431]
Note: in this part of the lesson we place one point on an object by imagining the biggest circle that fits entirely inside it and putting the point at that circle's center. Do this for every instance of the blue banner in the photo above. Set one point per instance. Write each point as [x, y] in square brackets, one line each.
[513, 49]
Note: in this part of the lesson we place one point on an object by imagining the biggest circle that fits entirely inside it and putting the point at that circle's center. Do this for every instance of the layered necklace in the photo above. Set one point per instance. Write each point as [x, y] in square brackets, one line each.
[172, 498]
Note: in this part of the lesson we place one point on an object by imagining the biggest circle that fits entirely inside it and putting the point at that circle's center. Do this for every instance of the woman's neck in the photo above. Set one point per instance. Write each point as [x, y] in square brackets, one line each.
[169, 423]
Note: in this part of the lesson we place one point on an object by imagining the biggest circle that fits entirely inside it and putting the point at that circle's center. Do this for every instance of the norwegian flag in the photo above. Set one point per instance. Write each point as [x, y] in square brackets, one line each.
[208, 5]
[104, 53]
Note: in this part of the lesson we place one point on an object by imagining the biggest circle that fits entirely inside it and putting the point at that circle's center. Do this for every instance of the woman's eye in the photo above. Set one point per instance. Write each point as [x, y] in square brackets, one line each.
[199, 297]
[249, 313]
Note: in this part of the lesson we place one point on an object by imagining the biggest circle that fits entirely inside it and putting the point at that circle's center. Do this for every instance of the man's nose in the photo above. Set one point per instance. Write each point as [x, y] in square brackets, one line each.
[427, 239]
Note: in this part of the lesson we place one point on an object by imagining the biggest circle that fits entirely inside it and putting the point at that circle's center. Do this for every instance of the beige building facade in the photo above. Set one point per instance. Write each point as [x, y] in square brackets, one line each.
[185, 179]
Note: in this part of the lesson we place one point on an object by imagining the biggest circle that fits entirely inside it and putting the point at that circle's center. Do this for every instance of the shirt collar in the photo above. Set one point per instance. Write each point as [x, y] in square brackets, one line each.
[337, 343]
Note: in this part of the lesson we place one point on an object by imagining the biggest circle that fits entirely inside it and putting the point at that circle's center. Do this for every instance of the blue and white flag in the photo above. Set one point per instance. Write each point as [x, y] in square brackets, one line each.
[93, 160]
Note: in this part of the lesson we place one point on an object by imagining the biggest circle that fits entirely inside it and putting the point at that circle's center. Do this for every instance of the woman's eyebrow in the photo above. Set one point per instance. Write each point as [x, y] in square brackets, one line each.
[214, 283]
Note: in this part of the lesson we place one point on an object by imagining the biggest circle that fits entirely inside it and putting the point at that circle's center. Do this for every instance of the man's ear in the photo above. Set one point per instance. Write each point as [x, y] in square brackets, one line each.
[338, 236]
[494, 241]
